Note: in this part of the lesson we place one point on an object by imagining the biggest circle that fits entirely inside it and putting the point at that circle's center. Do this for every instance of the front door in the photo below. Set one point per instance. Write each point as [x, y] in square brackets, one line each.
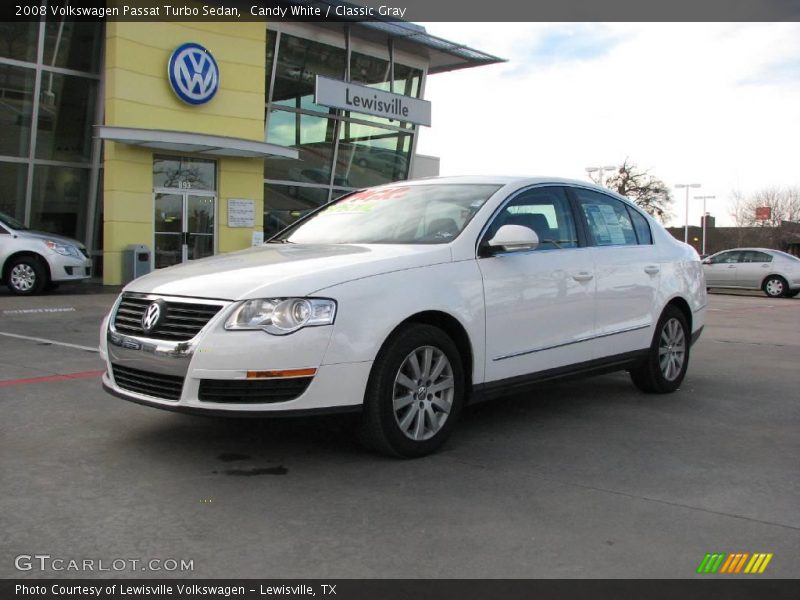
[184, 226]
[721, 270]
[539, 303]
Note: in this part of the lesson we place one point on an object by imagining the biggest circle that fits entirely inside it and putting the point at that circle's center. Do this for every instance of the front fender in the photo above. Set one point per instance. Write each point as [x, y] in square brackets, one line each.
[370, 309]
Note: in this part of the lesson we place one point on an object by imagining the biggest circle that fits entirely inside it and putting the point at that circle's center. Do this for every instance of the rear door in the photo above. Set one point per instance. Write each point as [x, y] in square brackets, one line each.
[627, 271]
[752, 267]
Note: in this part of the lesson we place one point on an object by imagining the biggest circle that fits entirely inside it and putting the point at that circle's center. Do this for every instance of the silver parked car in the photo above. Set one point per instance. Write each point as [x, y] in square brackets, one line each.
[776, 273]
[30, 260]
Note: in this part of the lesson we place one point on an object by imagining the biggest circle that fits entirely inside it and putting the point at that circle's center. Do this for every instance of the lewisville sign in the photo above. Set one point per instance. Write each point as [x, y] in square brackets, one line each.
[363, 99]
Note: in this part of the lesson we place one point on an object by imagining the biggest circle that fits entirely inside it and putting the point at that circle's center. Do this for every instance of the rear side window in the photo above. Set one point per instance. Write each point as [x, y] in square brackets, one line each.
[607, 218]
[754, 256]
[641, 226]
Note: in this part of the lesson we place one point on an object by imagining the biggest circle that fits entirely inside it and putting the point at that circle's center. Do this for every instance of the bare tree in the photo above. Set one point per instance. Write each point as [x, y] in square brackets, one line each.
[783, 205]
[644, 189]
[738, 213]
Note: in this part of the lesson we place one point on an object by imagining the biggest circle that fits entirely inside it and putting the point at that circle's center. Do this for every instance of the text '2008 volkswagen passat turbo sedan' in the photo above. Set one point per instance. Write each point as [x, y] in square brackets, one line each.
[404, 302]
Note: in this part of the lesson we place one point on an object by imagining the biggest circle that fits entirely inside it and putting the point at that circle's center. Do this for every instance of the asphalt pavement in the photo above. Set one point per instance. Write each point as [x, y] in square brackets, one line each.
[588, 478]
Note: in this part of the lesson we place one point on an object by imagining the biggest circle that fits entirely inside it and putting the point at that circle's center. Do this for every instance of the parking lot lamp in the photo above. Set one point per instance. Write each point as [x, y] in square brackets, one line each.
[705, 218]
[601, 171]
[686, 227]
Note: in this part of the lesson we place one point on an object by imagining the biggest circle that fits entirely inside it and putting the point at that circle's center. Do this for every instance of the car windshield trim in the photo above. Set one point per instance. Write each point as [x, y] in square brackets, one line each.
[403, 214]
[11, 222]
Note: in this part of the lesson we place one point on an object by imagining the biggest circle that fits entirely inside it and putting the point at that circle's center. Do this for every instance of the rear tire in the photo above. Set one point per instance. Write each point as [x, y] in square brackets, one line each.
[775, 286]
[414, 394]
[668, 357]
[26, 276]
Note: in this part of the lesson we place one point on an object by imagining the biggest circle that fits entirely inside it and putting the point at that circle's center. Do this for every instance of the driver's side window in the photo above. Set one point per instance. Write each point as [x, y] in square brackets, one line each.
[546, 211]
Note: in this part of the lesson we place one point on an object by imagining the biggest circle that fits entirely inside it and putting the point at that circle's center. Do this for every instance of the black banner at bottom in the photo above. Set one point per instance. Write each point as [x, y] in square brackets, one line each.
[391, 589]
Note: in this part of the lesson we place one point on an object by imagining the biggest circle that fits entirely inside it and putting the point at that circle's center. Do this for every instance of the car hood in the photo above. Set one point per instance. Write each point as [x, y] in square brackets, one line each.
[279, 270]
[43, 235]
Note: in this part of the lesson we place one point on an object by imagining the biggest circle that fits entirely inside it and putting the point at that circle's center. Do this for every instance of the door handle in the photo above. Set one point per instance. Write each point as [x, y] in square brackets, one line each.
[652, 269]
[731, 266]
[583, 276]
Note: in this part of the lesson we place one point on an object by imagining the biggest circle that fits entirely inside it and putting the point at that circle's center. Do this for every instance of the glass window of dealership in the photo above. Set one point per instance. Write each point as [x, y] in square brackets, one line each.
[52, 98]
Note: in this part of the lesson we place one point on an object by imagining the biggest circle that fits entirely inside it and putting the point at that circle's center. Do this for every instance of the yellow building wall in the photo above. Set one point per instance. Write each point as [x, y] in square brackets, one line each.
[137, 94]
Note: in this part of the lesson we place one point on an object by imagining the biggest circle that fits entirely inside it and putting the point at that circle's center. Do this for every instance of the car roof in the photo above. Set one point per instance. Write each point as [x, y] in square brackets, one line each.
[755, 249]
[517, 182]
[504, 180]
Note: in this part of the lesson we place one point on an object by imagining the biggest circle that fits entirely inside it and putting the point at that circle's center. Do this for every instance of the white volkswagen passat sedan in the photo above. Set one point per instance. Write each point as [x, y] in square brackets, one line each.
[406, 301]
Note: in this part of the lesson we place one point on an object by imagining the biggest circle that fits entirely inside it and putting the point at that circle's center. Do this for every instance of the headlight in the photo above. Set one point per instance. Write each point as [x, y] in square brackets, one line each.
[280, 316]
[63, 249]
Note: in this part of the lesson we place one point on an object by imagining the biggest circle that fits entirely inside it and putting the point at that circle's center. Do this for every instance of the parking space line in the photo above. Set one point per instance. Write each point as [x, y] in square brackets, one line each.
[49, 378]
[45, 341]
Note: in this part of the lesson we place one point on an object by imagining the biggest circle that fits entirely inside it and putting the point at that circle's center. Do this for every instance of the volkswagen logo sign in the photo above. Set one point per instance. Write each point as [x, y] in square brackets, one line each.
[193, 73]
[152, 316]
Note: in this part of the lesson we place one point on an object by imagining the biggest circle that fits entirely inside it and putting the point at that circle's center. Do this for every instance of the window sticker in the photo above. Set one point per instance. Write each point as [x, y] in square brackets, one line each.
[598, 224]
[613, 225]
[367, 200]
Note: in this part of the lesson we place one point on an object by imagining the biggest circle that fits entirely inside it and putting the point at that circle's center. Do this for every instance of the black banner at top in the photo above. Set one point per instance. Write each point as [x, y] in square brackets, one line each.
[403, 10]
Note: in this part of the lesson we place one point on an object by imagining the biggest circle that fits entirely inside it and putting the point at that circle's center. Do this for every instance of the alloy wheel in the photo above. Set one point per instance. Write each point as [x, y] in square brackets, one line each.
[23, 277]
[424, 389]
[672, 349]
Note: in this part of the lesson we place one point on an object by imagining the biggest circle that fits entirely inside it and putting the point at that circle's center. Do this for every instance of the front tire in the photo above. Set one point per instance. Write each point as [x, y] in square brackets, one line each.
[414, 394]
[775, 286]
[668, 357]
[26, 276]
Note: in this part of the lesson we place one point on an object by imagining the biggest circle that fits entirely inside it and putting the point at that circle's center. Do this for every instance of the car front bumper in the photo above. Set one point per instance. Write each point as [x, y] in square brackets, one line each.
[209, 373]
[68, 268]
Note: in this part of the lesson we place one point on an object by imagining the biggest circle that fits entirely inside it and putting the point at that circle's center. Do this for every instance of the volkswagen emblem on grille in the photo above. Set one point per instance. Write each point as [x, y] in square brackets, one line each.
[152, 316]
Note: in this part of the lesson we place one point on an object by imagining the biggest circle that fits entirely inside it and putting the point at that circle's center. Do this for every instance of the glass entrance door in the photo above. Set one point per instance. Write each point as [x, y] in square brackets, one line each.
[184, 226]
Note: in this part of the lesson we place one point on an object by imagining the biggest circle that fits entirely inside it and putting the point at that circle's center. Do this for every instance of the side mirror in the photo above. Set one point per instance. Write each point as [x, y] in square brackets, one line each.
[706, 261]
[514, 238]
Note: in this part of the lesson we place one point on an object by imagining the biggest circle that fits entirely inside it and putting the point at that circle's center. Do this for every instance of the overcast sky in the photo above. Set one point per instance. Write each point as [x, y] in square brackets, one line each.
[716, 104]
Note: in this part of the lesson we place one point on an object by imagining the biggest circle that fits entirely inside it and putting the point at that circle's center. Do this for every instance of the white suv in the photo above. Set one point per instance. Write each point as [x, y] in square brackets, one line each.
[406, 301]
[31, 261]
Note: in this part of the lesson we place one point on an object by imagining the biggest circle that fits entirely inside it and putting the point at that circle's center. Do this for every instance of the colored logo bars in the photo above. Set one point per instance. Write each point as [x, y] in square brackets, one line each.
[734, 563]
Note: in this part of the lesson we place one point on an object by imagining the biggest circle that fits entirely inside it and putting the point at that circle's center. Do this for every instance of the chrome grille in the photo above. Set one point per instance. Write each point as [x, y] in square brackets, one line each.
[182, 321]
[168, 387]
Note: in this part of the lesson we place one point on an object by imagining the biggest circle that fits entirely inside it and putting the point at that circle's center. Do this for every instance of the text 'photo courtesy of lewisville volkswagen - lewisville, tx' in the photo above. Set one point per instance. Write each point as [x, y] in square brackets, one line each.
[334, 298]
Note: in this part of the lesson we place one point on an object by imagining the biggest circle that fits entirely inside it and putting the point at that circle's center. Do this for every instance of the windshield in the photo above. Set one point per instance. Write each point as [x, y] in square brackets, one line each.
[11, 222]
[418, 214]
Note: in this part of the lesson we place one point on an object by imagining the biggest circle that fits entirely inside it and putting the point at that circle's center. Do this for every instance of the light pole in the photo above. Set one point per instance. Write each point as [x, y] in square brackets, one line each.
[686, 227]
[705, 218]
[602, 170]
